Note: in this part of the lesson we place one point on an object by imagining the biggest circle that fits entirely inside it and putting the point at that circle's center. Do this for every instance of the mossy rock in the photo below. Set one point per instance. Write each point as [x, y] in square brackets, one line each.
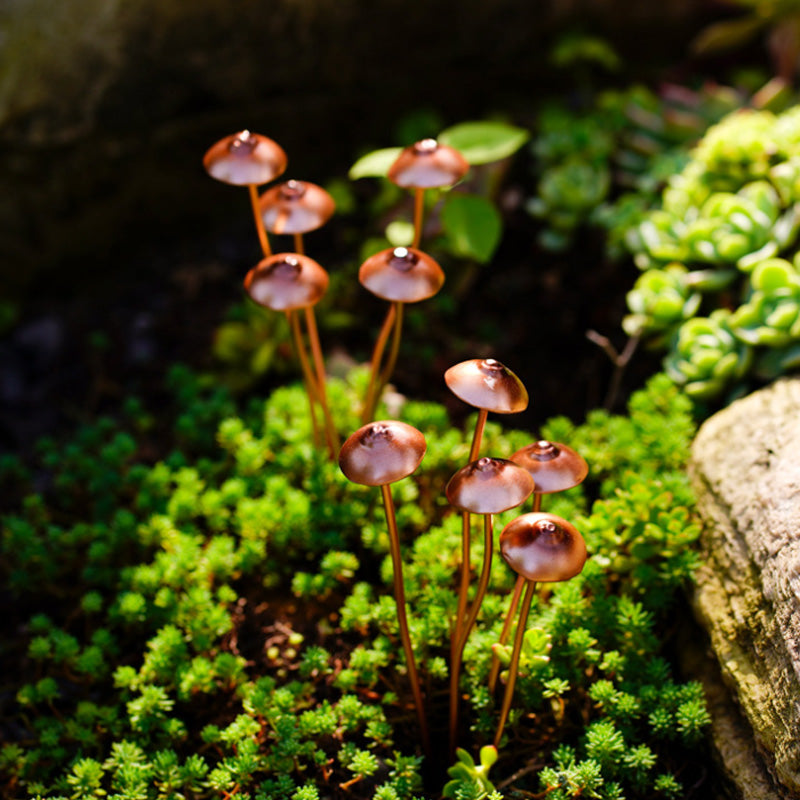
[746, 476]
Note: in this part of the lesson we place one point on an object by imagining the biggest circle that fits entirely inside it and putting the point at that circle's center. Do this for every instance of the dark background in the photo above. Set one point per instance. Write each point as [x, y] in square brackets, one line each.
[118, 255]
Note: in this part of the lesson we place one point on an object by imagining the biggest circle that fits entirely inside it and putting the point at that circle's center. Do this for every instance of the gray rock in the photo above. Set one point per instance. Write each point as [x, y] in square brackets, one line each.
[746, 472]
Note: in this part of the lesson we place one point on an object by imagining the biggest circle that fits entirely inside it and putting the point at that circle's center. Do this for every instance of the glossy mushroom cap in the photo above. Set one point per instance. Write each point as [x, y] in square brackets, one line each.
[543, 547]
[401, 274]
[489, 486]
[286, 281]
[382, 452]
[486, 383]
[554, 466]
[428, 164]
[295, 207]
[245, 158]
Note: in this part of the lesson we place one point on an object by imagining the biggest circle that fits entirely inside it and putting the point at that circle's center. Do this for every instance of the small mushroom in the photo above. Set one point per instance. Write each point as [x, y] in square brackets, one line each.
[539, 547]
[379, 454]
[426, 165]
[487, 486]
[296, 207]
[489, 386]
[247, 159]
[291, 282]
[399, 275]
[555, 467]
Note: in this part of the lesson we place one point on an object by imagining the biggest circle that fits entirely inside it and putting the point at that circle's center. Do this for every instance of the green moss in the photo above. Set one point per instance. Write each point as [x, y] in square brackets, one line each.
[223, 617]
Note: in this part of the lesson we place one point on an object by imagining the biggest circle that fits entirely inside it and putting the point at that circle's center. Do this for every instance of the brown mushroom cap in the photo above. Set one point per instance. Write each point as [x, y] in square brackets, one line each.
[554, 466]
[295, 207]
[401, 274]
[245, 158]
[489, 486]
[382, 452]
[427, 165]
[486, 383]
[543, 547]
[286, 281]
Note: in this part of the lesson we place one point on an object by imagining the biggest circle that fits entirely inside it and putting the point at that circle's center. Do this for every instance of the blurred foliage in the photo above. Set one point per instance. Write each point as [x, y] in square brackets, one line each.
[727, 230]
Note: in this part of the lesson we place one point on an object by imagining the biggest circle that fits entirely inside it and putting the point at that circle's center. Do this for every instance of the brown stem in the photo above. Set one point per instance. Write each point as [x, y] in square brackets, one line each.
[478, 435]
[298, 244]
[419, 208]
[260, 229]
[400, 601]
[463, 586]
[509, 621]
[512, 668]
[308, 377]
[455, 633]
[461, 632]
[316, 351]
[377, 355]
[391, 361]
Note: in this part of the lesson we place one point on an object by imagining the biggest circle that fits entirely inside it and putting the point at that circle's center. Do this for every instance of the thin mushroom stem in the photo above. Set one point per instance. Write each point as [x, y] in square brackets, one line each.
[483, 581]
[478, 435]
[513, 666]
[402, 621]
[302, 355]
[461, 632]
[377, 355]
[391, 361]
[260, 229]
[316, 351]
[455, 634]
[419, 208]
[463, 588]
[298, 244]
[510, 614]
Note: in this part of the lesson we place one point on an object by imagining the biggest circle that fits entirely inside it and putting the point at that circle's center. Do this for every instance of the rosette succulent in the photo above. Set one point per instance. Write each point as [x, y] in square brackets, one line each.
[727, 228]
[706, 358]
[771, 316]
[660, 300]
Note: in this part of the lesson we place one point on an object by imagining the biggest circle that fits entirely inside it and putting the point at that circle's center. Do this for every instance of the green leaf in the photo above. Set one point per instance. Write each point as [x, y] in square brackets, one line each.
[472, 225]
[375, 164]
[726, 35]
[484, 142]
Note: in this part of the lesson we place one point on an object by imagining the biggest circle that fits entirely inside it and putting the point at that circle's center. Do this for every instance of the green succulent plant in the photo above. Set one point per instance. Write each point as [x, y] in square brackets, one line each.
[706, 358]
[725, 235]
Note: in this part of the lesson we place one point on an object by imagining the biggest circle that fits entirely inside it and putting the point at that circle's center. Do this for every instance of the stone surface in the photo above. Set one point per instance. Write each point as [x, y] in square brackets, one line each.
[746, 472]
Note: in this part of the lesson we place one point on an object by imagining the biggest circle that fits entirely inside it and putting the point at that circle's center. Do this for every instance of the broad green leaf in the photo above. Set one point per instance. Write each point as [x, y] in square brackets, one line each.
[726, 34]
[484, 142]
[472, 225]
[375, 164]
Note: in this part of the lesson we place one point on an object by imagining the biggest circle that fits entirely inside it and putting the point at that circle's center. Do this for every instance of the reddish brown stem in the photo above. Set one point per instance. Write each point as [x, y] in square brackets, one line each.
[509, 621]
[461, 632]
[514, 665]
[377, 356]
[313, 337]
[391, 361]
[308, 377]
[419, 208]
[402, 621]
[298, 244]
[478, 435]
[263, 239]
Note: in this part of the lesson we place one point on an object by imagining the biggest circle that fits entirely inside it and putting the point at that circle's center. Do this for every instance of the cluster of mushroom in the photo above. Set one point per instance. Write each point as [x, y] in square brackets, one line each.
[291, 282]
[538, 546]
